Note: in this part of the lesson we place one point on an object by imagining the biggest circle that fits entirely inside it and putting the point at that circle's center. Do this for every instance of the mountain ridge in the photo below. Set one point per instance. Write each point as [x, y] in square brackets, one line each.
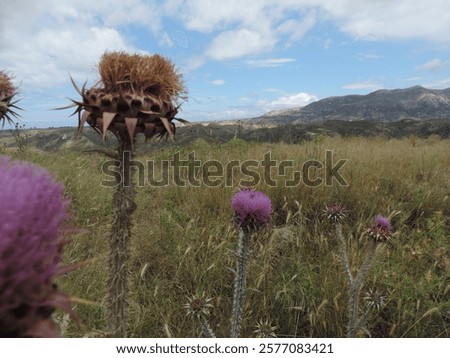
[417, 102]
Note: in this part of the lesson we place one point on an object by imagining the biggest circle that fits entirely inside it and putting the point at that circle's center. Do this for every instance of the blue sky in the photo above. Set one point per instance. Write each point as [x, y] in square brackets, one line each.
[239, 59]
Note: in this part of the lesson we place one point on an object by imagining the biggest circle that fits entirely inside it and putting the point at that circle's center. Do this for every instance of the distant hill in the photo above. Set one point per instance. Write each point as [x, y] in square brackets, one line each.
[65, 138]
[414, 111]
[417, 103]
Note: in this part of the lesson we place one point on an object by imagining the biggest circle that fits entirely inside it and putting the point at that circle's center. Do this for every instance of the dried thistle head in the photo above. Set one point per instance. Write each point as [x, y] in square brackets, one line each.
[375, 298]
[264, 329]
[335, 212]
[198, 306]
[7, 93]
[120, 71]
[136, 94]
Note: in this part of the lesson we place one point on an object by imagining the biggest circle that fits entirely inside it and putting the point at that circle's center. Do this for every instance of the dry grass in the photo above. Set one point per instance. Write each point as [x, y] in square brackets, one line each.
[184, 240]
[150, 74]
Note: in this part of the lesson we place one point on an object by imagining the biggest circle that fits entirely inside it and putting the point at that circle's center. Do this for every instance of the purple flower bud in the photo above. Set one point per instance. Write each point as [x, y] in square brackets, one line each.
[381, 229]
[31, 212]
[252, 208]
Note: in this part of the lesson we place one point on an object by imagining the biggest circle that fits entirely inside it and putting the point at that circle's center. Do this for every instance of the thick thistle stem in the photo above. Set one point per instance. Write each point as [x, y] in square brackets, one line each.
[124, 207]
[240, 283]
[343, 254]
[354, 323]
[206, 328]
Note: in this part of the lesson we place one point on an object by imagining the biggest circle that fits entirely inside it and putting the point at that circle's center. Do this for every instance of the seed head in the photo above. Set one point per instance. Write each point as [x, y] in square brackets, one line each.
[375, 298]
[198, 306]
[335, 212]
[264, 329]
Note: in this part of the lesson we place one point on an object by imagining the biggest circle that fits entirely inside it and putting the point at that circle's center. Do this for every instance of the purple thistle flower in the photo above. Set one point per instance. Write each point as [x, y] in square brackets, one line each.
[252, 208]
[383, 222]
[381, 229]
[31, 212]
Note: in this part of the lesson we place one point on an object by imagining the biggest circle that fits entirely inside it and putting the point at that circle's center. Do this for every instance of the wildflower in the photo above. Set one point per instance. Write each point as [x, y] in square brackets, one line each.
[252, 209]
[335, 212]
[31, 212]
[381, 229]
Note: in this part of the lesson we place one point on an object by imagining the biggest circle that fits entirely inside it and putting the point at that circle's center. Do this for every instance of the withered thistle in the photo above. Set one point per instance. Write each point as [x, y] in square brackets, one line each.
[135, 94]
[199, 308]
[32, 211]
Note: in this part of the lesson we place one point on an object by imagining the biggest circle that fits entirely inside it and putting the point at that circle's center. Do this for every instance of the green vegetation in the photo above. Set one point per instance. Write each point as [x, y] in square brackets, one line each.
[184, 241]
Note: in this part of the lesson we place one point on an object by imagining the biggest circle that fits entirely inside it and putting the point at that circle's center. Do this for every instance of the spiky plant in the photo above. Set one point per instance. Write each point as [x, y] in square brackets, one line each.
[252, 211]
[379, 232]
[7, 103]
[135, 94]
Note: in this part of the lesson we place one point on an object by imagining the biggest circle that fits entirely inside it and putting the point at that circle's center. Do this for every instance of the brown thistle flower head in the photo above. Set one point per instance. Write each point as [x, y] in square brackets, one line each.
[264, 329]
[198, 306]
[375, 298]
[335, 212]
[32, 210]
[381, 229]
[7, 93]
[136, 94]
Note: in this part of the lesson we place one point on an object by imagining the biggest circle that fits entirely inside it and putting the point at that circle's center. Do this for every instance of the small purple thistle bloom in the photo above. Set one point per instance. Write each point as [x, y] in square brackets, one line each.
[381, 229]
[252, 208]
[31, 212]
[383, 222]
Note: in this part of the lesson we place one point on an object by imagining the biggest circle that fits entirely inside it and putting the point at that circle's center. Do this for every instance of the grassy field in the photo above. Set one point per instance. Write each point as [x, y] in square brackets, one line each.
[184, 241]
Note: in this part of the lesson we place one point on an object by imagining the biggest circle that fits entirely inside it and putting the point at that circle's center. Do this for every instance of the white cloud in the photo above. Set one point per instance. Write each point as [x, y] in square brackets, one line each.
[363, 86]
[270, 62]
[433, 65]
[237, 43]
[296, 29]
[388, 20]
[440, 84]
[291, 100]
[218, 82]
[259, 26]
[55, 38]
[207, 16]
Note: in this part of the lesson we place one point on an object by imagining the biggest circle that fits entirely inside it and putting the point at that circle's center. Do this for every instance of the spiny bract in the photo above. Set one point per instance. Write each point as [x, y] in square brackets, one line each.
[136, 94]
[7, 93]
